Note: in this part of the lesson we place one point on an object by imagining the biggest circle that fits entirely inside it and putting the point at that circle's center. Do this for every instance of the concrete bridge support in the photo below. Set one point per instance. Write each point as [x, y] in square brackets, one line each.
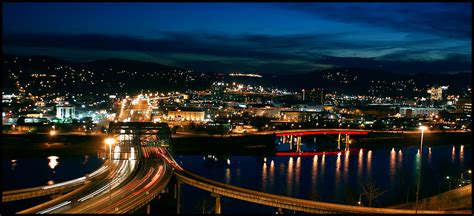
[217, 208]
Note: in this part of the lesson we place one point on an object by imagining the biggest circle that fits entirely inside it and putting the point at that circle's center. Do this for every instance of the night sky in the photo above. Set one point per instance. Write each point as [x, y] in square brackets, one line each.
[248, 37]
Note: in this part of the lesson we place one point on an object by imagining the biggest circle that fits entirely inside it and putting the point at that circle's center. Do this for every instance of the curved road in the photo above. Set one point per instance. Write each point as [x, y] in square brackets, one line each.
[128, 186]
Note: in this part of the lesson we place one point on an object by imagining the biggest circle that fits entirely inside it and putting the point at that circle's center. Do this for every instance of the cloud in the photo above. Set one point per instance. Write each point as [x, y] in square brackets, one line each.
[221, 52]
[452, 20]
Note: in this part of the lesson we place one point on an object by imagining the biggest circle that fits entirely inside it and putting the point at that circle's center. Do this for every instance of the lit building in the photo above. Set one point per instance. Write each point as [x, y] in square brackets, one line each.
[464, 105]
[437, 93]
[418, 111]
[182, 115]
[63, 112]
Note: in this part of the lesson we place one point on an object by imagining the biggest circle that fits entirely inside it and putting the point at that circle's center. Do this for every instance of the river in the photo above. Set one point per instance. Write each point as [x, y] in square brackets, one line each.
[328, 178]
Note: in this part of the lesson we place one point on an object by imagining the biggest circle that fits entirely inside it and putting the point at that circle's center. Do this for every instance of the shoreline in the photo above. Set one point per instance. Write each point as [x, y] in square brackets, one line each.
[37, 145]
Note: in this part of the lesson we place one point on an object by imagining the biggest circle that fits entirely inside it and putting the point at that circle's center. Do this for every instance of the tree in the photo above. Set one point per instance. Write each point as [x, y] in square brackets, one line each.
[371, 190]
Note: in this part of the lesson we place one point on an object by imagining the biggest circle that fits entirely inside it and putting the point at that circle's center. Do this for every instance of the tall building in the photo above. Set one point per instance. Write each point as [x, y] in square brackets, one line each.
[436, 93]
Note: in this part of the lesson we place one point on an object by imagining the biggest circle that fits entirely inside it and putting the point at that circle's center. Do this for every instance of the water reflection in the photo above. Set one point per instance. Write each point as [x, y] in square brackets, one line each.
[13, 164]
[429, 154]
[453, 154]
[227, 175]
[417, 165]
[346, 167]
[289, 176]
[53, 162]
[461, 154]
[360, 164]
[272, 174]
[264, 176]
[400, 159]
[393, 155]
[297, 181]
[338, 170]
[369, 163]
[314, 173]
[86, 159]
[323, 164]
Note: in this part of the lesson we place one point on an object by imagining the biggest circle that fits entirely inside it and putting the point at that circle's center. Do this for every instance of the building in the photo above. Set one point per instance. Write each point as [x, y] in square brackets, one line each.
[316, 96]
[186, 115]
[64, 111]
[299, 116]
[436, 93]
[464, 105]
[418, 111]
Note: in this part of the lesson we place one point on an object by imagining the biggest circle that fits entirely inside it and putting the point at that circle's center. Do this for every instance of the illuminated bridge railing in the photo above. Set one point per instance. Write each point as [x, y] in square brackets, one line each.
[301, 205]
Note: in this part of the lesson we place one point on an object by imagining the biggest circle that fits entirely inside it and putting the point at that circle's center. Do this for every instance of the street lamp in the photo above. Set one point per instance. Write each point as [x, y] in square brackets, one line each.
[422, 128]
[110, 141]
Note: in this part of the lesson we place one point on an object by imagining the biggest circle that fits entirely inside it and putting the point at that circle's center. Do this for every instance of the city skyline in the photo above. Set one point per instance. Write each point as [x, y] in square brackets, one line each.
[227, 37]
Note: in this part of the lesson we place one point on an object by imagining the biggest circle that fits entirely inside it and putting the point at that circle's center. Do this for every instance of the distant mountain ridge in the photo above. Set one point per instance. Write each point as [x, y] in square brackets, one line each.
[121, 75]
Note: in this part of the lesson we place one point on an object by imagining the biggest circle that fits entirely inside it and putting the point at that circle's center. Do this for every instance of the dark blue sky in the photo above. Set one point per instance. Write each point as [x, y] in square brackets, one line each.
[248, 37]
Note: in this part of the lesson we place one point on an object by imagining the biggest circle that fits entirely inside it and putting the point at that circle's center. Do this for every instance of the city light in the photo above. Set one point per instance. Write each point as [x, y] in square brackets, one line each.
[109, 141]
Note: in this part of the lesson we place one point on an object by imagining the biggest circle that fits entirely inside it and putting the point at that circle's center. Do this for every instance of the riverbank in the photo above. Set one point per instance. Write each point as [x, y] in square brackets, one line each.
[24, 145]
[39, 145]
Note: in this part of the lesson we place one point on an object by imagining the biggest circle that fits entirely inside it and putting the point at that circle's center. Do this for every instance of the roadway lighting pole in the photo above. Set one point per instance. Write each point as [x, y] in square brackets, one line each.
[422, 128]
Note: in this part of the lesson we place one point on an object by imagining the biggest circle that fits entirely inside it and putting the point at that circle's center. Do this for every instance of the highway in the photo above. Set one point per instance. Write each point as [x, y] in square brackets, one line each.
[128, 186]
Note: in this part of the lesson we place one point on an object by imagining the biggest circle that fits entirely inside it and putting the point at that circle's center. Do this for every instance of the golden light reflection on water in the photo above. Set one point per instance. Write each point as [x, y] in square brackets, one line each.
[13, 164]
[429, 154]
[346, 167]
[461, 153]
[53, 162]
[400, 159]
[360, 164]
[323, 164]
[338, 170]
[369, 163]
[264, 176]
[297, 172]
[393, 155]
[314, 173]
[453, 154]
[227, 175]
[272, 174]
[289, 176]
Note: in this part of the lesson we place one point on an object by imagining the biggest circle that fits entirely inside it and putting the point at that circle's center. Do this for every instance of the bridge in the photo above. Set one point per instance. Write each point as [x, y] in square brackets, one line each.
[130, 184]
[295, 138]
[218, 189]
